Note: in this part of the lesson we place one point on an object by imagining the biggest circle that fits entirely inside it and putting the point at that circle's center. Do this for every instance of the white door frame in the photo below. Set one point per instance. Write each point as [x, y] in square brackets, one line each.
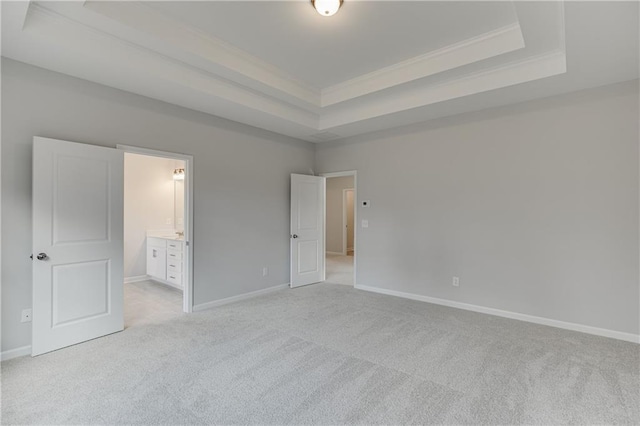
[187, 288]
[345, 220]
[353, 173]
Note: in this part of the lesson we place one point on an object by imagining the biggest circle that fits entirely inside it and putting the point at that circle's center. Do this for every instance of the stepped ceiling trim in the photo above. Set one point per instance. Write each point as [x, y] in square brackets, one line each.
[139, 48]
[487, 45]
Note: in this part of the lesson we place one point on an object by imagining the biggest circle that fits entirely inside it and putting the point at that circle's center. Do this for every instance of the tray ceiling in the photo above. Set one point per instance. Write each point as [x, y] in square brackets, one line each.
[358, 40]
[374, 65]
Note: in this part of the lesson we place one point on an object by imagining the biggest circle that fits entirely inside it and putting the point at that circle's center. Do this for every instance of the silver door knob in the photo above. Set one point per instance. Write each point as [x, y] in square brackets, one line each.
[42, 256]
[295, 236]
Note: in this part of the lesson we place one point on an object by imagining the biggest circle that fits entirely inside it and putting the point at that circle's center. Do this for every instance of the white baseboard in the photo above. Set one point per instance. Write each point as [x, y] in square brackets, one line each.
[337, 253]
[214, 303]
[628, 337]
[137, 279]
[15, 353]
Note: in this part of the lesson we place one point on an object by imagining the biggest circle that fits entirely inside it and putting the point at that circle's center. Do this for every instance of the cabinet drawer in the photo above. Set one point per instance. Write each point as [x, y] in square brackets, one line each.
[174, 245]
[174, 255]
[173, 266]
[156, 242]
[174, 278]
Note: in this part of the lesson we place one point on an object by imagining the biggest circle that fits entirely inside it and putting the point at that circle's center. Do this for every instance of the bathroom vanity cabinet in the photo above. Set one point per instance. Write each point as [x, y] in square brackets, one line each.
[165, 260]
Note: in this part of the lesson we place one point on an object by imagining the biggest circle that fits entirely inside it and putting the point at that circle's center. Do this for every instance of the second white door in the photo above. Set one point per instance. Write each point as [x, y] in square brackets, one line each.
[307, 229]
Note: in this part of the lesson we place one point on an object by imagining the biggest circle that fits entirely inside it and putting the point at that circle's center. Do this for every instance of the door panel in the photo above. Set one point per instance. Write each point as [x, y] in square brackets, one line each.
[77, 223]
[307, 257]
[76, 180]
[307, 229]
[80, 291]
[307, 206]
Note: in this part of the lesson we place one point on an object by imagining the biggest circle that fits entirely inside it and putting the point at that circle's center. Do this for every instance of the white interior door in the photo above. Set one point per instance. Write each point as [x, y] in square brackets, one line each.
[77, 243]
[307, 229]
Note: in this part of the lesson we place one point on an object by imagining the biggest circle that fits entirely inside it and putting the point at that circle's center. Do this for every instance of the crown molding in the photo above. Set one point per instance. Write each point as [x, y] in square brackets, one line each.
[22, 12]
[88, 45]
[219, 56]
[235, 64]
[533, 68]
[85, 52]
[487, 45]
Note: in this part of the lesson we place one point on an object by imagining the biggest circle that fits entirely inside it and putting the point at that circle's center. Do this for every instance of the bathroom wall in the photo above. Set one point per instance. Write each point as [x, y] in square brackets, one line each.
[179, 199]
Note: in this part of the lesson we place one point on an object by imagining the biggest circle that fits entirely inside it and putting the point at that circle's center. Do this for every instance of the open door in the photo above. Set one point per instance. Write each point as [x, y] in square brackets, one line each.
[77, 243]
[307, 229]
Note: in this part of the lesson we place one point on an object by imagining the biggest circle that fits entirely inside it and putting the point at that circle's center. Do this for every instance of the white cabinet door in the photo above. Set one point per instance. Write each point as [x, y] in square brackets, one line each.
[77, 243]
[157, 262]
[307, 229]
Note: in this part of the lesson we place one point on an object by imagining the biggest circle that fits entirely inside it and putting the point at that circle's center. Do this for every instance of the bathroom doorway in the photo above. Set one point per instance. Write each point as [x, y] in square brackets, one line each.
[157, 235]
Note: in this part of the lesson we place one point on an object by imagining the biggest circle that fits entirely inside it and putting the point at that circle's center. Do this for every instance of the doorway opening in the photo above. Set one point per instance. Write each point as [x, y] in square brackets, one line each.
[157, 251]
[340, 229]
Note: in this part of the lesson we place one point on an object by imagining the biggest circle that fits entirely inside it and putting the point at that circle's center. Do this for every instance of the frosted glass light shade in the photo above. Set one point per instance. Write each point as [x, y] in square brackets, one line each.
[327, 7]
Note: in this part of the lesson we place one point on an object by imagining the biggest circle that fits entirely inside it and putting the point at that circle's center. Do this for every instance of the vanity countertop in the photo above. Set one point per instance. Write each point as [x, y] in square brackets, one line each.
[167, 235]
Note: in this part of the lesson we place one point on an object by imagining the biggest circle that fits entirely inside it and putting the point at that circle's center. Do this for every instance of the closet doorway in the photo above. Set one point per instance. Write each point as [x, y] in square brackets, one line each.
[340, 229]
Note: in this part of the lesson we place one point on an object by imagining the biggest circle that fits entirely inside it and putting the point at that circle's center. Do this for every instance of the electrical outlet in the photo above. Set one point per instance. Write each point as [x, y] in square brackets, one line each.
[365, 223]
[456, 282]
[26, 315]
[265, 271]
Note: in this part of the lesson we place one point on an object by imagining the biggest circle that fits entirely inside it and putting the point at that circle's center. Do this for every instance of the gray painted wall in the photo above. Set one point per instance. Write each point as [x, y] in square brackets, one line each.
[534, 207]
[241, 180]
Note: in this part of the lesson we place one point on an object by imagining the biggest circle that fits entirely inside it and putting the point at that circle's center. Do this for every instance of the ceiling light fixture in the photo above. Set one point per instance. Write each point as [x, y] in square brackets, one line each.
[326, 7]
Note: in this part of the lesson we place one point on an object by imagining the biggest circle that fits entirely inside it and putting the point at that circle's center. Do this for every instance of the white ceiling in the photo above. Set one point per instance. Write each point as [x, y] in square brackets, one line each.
[374, 65]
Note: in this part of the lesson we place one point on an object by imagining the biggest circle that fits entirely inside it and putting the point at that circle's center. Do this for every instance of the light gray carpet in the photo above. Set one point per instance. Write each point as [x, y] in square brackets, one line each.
[329, 354]
[339, 269]
[149, 302]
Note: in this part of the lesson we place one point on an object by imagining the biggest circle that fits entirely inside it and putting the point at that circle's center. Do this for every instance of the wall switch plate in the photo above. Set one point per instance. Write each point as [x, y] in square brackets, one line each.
[456, 282]
[26, 315]
[365, 223]
[265, 271]
[169, 221]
